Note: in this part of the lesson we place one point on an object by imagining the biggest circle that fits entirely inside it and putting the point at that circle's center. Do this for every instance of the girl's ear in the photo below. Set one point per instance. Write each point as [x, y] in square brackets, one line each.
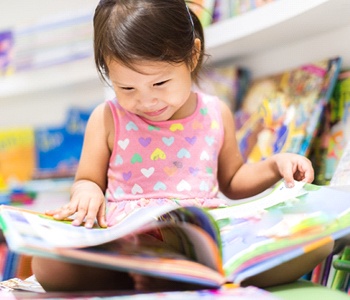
[196, 52]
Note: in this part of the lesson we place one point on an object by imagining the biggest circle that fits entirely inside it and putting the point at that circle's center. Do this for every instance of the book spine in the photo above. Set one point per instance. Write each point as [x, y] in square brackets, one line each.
[10, 265]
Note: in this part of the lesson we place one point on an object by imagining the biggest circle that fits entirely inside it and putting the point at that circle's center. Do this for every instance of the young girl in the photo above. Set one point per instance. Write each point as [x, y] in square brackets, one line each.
[158, 142]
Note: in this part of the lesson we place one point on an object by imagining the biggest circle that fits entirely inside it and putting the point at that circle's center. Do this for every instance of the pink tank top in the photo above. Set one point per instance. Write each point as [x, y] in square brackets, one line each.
[175, 160]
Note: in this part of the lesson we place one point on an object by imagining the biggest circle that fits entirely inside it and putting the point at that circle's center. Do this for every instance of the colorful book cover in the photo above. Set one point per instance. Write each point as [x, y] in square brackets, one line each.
[281, 113]
[3, 256]
[222, 10]
[341, 175]
[313, 122]
[17, 155]
[58, 149]
[6, 52]
[339, 133]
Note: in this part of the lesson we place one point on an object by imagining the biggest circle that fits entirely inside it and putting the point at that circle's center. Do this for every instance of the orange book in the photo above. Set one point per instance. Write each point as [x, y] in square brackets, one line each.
[17, 155]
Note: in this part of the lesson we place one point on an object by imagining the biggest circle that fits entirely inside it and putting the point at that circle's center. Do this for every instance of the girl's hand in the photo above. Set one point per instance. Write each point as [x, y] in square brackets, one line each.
[294, 167]
[87, 202]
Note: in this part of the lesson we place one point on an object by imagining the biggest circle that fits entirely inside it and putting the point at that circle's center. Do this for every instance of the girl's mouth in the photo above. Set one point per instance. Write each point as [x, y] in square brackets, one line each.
[156, 112]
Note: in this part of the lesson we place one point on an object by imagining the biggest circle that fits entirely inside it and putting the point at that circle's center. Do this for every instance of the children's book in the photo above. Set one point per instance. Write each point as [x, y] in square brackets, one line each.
[341, 176]
[339, 133]
[58, 148]
[282, 112]
[6, 52]
[17, 155]
[209, 247]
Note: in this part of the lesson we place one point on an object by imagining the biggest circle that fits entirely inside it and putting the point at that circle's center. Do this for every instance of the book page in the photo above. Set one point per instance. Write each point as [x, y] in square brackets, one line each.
[24, 228]
[341, 176]
[166, 267]
[279, 194]
[253, 243]
[175, 251]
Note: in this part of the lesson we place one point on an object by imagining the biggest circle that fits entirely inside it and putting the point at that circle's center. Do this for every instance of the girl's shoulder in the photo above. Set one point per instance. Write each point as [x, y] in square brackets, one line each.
[213, 101]
[102, 110]
[207, 98]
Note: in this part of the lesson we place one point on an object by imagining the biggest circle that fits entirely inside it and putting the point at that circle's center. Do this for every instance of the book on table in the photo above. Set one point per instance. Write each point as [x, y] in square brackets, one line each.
[209, 247]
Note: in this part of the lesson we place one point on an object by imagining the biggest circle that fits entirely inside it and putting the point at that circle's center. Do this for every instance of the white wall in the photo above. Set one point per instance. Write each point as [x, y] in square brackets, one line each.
[328, 44]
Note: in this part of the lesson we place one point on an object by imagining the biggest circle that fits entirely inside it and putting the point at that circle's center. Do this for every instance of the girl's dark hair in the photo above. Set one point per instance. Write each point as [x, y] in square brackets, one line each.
[156, 30]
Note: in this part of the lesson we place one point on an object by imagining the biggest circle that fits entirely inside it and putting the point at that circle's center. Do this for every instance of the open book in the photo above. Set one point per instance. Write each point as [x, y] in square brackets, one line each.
[192, 244]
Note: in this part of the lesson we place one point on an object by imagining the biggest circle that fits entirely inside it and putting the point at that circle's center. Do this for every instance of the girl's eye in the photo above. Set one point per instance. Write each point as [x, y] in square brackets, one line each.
[160, 83]
[127, 88]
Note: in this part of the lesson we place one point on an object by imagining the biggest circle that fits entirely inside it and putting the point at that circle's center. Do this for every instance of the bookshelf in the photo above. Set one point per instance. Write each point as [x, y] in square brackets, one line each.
[282, 34]
[277, 36]
[41, 96]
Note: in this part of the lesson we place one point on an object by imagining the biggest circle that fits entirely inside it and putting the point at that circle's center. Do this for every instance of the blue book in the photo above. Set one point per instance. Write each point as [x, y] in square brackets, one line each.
[58, 148]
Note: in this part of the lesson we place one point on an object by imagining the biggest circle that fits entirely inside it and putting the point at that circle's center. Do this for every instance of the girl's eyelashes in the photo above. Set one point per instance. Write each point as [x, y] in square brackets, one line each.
[160, 83]
[126, 88]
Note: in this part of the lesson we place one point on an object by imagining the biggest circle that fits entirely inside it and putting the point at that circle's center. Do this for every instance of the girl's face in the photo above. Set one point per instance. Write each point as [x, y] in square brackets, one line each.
[157, 91]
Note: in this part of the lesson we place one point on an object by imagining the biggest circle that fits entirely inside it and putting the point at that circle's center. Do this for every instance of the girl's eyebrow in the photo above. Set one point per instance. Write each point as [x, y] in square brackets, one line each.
[121, 84]
[161, 78]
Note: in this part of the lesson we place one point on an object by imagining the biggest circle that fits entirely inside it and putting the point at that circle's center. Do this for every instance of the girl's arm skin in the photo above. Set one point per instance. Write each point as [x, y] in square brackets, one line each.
[240, 180]
[87, 193]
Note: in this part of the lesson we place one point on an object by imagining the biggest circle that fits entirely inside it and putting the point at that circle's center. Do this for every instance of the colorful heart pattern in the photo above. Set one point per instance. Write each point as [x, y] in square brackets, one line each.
[166, 157]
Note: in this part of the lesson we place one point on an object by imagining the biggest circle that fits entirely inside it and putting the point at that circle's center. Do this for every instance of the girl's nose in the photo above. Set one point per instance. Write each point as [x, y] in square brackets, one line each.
[148, 102]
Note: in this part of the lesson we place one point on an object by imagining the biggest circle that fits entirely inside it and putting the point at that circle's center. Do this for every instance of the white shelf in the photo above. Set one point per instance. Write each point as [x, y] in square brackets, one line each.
[46, 79]
[274, 25]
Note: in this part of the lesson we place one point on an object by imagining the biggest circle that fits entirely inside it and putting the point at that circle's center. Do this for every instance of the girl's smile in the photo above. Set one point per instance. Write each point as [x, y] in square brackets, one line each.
[156, 112]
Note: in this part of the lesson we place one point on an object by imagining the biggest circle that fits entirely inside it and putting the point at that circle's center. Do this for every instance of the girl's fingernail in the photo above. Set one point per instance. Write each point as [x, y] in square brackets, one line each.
[88, 224]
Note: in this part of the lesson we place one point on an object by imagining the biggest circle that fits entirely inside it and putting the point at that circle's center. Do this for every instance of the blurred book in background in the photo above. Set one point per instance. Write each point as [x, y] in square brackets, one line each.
[282, 112]
[204, 9]
[229, 83]
[17, 155]
[58, 148]
[6, 53]
[51, 41]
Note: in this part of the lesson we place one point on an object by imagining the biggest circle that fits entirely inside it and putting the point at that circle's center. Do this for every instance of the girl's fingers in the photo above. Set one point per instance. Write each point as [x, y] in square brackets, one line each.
[101, 216]
[84, 210]
[94, 210]
[63, 212]
[288, 175]
[80, 215]
[87, 212]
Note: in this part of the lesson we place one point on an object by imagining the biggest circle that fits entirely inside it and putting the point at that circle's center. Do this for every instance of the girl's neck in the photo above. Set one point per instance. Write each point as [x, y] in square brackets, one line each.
[187, 109]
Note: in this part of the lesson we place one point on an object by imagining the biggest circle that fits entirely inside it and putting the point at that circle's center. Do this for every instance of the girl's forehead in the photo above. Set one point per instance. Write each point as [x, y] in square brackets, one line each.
[143, 67]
